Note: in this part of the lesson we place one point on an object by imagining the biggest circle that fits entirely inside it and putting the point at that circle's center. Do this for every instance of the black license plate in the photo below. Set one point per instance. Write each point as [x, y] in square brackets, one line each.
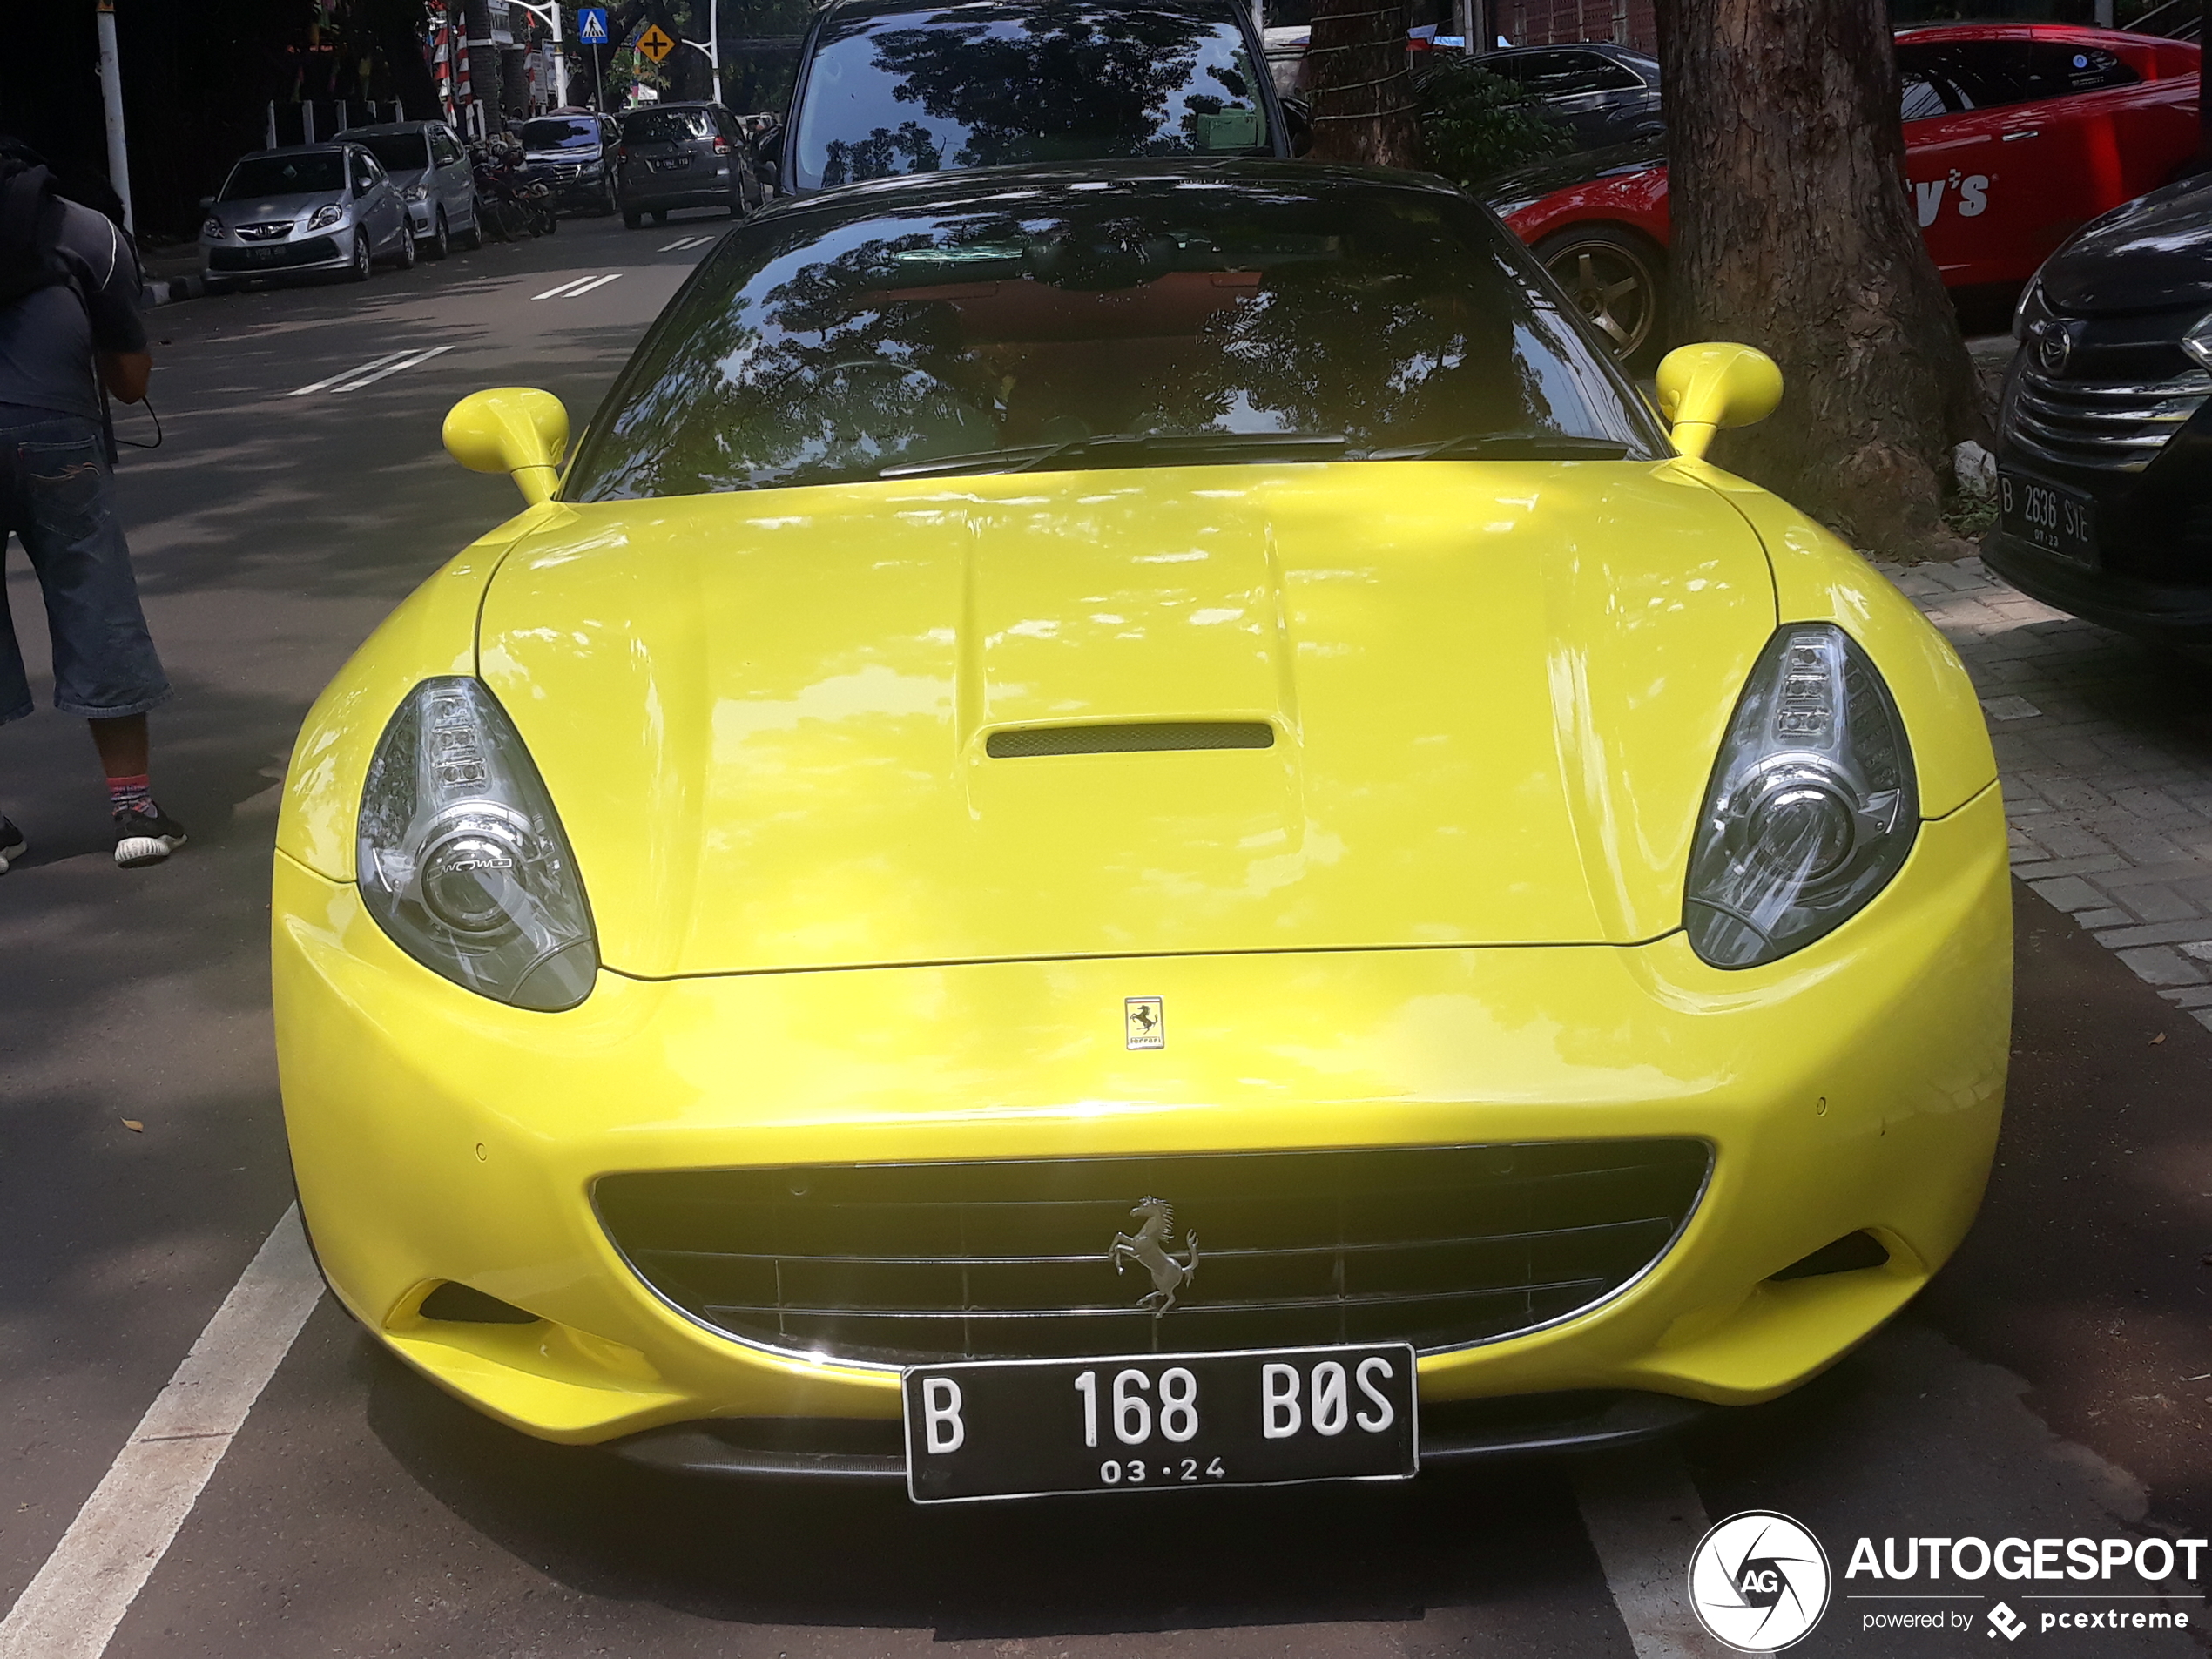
[1026, 1429]
[2050, 517]
[674, 164]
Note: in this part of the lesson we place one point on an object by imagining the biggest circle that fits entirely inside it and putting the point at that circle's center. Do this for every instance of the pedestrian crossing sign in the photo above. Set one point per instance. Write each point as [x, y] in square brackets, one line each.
[656, 45]
[591, 25]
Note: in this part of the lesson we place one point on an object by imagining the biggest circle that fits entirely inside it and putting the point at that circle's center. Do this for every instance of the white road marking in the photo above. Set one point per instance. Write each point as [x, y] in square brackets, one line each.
[1645, 1517]
[366, 374]
[70, 1610]
[689, 241]
[361, 369]
[582, 285]
[407, 361]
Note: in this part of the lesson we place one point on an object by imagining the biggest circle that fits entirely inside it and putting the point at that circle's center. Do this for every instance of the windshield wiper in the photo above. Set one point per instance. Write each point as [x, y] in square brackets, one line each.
[1033, 457]
[1506, 446]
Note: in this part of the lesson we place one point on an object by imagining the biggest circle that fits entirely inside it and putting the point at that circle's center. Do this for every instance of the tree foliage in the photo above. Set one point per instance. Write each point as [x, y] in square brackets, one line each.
[1475, 124]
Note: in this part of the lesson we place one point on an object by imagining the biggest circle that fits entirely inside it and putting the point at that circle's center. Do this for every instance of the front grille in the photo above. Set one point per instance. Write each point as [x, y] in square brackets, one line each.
[903, 1264]
[2108, 426]
[266, 231]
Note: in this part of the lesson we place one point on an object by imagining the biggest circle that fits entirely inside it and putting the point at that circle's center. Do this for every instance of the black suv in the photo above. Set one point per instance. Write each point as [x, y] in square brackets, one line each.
[573, 152]
[682, 155]
[893, 86]
[2104, 436]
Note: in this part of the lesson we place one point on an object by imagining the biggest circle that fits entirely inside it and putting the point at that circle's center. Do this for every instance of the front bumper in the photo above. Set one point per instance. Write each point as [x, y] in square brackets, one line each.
[2171, 613]
[329, 250]
[438, 1137]
[581, 190]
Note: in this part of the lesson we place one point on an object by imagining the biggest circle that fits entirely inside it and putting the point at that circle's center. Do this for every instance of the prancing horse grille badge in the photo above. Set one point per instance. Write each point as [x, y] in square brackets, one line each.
[1149, 1246]
[1146, 1018]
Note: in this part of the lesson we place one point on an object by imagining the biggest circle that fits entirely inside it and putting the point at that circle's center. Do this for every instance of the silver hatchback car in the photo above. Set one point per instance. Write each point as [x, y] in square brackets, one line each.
[304, 209]
[431, 171]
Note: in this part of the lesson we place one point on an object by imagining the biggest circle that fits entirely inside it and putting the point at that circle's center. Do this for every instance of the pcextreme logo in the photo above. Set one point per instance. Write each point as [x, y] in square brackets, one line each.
[1760, 1581]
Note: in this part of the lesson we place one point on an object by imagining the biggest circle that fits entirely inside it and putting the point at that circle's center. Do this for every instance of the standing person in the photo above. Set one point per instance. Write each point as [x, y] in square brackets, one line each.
[69, 327]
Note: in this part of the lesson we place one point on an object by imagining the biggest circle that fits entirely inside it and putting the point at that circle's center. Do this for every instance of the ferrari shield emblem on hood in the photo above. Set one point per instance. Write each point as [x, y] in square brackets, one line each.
[1146, 1020]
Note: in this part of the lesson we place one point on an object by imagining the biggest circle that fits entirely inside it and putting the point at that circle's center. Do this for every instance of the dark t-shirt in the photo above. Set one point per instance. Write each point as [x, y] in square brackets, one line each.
[48, 337]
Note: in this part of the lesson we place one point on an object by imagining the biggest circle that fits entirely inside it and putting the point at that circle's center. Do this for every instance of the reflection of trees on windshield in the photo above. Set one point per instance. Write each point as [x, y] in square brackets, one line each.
[820, 384]
[887, 342]
[1386, 357]
[878, 155]
[1056, 83]
[1105, 79]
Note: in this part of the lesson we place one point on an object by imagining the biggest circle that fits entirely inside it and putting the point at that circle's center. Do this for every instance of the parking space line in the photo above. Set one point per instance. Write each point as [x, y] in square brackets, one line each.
[688, 241]
[71, 1608]
[1645, 1518]
[580, 286]
[407, 361]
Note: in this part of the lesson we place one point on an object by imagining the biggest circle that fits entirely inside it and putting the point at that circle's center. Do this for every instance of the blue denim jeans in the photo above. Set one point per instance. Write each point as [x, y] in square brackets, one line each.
[57, 494]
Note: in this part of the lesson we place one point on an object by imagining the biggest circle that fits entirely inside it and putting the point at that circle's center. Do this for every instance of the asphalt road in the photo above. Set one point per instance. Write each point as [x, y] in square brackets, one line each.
[2038, 1390]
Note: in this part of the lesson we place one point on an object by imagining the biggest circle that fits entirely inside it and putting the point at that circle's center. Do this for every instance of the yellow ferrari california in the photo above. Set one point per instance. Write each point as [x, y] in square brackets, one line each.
[1134, 829]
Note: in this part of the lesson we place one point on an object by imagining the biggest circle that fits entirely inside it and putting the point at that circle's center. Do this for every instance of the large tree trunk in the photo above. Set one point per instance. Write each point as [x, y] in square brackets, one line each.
[1360, 84]
[1794, 232]
[483, 63]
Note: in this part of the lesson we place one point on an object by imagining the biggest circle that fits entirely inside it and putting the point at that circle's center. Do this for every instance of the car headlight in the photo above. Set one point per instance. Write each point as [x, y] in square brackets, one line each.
[2031, 310]
[462, 859]
[214, 227]
[1811, 809]
[328, 213]
[418, 192]
[2198, 341]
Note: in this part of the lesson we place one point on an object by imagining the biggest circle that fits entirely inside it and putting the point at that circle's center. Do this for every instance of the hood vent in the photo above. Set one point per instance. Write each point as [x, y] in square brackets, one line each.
[1129, 739]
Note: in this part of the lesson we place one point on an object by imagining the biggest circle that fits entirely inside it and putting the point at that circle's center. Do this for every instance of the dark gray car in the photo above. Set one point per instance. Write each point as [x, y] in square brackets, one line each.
[682, 155]
[1606, 94]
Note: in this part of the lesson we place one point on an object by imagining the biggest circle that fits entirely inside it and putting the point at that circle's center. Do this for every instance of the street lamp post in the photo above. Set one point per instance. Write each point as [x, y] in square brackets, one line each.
[119, 155]
[713, 45]
[549, 14]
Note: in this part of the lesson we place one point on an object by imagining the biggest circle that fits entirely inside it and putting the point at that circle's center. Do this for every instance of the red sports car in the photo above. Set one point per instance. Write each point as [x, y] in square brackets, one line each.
[2016, 135]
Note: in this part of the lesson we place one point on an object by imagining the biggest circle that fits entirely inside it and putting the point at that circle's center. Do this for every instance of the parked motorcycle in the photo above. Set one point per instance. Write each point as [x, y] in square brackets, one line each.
[513, 206]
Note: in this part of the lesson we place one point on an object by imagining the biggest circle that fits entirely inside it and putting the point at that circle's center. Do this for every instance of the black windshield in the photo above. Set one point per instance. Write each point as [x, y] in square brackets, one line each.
[664, 126]
[309, 175]
[399, 151]
[1146, 324]
[982, 84]
[559, 132]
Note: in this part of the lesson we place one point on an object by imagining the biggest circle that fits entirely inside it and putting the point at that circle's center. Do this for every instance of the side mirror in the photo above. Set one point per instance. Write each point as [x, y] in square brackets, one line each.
[206, 202]
[512, 429]
[1703, 389]
[1297, 126]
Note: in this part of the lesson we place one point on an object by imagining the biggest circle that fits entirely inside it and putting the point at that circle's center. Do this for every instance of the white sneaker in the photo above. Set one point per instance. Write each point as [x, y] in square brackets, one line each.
[12, 845]
[146, 838]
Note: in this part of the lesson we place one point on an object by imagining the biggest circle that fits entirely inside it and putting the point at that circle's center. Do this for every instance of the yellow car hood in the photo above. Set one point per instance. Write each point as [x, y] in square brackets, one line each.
[1496, 690]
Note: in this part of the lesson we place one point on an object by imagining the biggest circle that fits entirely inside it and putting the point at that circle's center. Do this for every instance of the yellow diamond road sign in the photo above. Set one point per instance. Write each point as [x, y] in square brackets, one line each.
[656, 45]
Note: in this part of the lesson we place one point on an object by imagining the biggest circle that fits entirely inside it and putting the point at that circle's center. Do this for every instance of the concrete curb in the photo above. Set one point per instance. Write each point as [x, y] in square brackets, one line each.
[170, 290]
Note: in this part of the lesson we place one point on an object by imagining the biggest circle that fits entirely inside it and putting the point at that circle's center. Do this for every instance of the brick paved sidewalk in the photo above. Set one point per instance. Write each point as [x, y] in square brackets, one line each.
[2105, 747]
